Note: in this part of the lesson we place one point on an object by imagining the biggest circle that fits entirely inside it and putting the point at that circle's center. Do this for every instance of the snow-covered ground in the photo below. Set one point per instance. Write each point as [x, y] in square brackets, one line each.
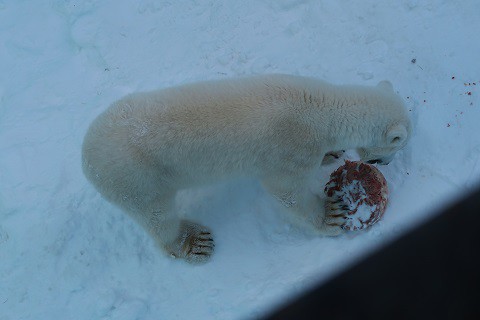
[65, 253]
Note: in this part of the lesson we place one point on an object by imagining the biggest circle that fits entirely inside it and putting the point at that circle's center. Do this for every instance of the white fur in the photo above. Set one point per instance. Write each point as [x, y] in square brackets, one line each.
[277, 128]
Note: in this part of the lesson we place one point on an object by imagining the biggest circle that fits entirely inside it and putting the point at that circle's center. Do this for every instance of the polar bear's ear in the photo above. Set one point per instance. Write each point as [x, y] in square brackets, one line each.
[396, 135]
[385, 85]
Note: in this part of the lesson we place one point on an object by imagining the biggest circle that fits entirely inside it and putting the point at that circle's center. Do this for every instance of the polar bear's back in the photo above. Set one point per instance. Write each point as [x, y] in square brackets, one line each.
[171, 134]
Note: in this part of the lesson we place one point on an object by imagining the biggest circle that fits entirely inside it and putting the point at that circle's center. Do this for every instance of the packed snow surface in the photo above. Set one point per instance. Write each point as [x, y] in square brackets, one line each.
[65, 253]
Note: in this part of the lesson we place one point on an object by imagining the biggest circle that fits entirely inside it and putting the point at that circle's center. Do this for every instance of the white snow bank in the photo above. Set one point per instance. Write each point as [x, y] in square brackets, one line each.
[65, 253]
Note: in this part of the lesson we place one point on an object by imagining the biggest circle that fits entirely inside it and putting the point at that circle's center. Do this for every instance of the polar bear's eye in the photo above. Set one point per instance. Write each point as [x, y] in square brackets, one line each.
[396, 139]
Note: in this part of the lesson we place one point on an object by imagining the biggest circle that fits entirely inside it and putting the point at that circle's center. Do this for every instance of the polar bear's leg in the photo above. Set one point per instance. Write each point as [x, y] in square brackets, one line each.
[294, 195]
[179, 238]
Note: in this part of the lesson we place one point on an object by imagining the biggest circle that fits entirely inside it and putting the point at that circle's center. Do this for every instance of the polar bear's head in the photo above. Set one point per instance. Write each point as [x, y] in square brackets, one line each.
[393, 127]
[396, 137]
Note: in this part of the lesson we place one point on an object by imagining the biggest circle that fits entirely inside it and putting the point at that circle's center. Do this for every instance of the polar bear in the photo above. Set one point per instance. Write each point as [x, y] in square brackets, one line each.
[277, 128]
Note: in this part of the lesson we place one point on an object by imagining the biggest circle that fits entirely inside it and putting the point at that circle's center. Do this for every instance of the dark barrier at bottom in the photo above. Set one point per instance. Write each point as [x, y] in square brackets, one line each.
[430, 273]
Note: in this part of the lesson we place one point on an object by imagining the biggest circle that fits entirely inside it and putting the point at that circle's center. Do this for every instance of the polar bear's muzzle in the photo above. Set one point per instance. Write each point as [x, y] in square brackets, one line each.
[377, 155]
[379, 161]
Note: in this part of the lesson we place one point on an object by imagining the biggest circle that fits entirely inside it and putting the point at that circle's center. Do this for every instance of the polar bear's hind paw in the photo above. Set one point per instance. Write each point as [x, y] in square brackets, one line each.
[197, 243]
[200, 247]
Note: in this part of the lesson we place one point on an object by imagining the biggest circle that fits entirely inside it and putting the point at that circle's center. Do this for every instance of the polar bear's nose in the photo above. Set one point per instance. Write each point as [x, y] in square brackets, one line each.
[379, 161]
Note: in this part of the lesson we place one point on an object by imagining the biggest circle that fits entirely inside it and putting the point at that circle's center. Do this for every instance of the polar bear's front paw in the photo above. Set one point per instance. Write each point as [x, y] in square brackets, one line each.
[335, 217]
[336, 213]
[195, 243]
[332, 225]
[331, 230]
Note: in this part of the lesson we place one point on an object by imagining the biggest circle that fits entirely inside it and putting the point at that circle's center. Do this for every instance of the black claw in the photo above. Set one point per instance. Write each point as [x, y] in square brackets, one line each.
[202, 253]
[203, 246]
